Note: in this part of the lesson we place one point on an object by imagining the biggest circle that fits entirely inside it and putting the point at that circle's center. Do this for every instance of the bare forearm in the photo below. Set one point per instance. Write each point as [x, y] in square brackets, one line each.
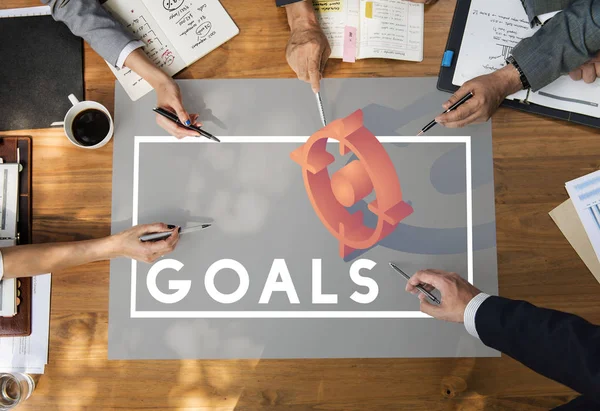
[139, 62]
[34, 259]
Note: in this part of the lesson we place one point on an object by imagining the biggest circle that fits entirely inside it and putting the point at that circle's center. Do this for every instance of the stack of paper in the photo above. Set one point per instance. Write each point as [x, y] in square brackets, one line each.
[30, 354]
[566, 218]
[9, 198]
[585, 195]
[8, 297]
[8, 287]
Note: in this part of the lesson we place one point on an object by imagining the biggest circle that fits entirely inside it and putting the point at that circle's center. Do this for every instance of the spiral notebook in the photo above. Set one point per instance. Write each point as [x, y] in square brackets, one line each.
[176, 33]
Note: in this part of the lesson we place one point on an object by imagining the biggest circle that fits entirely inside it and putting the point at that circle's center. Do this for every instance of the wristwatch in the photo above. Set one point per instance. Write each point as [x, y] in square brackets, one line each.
[524, 81]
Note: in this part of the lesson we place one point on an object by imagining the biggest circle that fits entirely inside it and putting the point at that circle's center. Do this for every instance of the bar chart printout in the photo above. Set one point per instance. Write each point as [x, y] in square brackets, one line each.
[585, 194]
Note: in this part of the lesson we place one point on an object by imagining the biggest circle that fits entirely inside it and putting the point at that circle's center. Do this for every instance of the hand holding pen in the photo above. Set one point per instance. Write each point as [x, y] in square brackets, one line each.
[127, 243]
[191, 129]
[453, 107]
[178, 129]
[489, 91]
[456, 293]
[424, 289]
[168, 96]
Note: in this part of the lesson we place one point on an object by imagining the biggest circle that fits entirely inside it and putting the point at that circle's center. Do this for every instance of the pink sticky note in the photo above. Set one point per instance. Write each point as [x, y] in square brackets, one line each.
[349, 55]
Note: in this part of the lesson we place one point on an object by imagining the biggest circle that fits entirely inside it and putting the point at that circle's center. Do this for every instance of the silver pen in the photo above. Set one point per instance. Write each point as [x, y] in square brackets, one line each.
[321, 110]
[418, 287]
[167, 234]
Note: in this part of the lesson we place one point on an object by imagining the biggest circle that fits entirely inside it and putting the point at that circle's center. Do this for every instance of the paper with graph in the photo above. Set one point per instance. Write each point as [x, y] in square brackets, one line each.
[585, 194]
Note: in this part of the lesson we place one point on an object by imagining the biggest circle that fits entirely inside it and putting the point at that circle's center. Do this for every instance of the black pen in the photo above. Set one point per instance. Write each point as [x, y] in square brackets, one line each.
[418, 287]
[173, 117]
[452, 107]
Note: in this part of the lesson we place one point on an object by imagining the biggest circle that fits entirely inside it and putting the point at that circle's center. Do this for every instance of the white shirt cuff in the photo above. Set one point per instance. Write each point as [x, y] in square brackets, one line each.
[543, 18]
[471, 311]
[127, 50]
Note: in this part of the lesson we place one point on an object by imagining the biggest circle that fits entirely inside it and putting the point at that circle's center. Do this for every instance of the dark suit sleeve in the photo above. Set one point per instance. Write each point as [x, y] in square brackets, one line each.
[560, 346]
[280, 3]
[564, 43]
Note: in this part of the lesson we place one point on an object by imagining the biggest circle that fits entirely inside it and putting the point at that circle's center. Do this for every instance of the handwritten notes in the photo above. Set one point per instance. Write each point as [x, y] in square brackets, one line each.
[384, 28]
[176, 33]
[196, 27]
[326, 6]
[137, 19]
[492, 30]
[334, 17]
[391, 29]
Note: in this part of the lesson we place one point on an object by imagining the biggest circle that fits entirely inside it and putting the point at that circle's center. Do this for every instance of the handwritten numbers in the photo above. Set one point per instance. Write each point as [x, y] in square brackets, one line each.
[171, 5]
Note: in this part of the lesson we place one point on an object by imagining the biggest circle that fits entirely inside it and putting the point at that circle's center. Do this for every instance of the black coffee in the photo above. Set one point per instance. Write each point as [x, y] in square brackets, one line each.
[90, 127]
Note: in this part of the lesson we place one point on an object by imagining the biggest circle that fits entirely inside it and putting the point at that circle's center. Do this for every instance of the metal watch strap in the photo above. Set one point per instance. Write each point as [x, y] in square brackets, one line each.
[524, 81]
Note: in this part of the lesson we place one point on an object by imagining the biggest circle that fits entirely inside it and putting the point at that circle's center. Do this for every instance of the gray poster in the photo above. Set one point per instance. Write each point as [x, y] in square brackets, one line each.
[295, 264]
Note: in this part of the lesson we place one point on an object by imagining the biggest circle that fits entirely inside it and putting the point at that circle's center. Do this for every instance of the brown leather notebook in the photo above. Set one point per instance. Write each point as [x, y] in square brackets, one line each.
[20, 324]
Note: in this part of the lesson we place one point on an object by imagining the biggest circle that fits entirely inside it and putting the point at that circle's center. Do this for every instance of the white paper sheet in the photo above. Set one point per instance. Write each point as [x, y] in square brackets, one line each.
[333, 18]
[493, 29]
[31, 353]
[25, 12]
[195, 28]
[176, 34]
[135, 17]
[8, 287]
[566, 94]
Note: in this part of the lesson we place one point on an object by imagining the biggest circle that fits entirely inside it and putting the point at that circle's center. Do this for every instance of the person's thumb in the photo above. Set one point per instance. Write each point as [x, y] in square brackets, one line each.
[154, 228]
[430, 309]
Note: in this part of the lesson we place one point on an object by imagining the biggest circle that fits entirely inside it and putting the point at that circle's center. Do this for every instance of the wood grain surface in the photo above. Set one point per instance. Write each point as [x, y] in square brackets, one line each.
[533, 157]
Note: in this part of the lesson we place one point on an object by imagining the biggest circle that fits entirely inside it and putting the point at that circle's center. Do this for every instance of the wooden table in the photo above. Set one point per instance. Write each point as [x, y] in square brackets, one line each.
[533, 157]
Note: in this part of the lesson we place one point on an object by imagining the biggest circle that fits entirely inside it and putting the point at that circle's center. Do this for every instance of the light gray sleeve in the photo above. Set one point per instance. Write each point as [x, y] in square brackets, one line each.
[89, 20]
[471, 311]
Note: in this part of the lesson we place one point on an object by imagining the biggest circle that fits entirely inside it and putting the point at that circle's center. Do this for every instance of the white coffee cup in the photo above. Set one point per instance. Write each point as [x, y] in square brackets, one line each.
[78, 107]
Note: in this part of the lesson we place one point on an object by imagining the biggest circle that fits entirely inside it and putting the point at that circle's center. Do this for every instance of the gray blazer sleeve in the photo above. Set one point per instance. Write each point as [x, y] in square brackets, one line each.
[89, 20]
[564, 43]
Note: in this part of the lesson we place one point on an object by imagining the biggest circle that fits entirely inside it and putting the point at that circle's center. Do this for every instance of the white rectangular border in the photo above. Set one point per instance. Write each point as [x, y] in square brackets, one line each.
[138, 140]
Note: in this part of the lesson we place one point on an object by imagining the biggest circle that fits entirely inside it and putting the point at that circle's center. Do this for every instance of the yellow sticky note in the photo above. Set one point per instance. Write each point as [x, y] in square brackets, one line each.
[369, 9]
[327, 6]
